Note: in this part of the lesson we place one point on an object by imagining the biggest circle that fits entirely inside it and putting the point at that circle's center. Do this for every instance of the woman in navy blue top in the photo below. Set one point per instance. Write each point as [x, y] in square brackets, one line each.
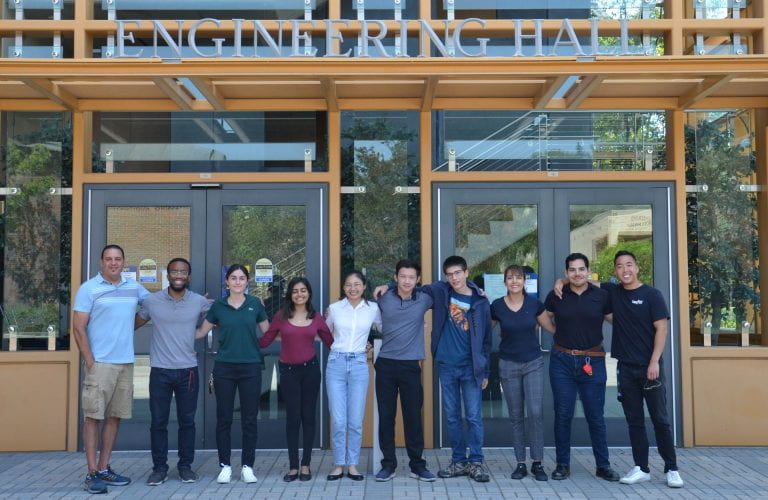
[521, 368]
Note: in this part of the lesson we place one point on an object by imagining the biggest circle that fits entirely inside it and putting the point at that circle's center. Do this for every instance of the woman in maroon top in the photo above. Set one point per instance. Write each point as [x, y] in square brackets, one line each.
[298, 324]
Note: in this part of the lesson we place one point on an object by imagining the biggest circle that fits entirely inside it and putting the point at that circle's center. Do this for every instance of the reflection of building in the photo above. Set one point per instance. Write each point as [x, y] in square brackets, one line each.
[172, 136]
[613, 227]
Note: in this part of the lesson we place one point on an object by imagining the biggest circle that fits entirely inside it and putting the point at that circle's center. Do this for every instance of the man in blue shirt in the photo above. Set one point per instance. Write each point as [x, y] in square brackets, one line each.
[104, 311]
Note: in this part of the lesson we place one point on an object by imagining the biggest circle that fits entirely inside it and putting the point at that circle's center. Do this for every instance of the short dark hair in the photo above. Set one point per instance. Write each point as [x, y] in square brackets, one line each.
[287, 308]
[622, 253]
[515, 269]
[576, 256]
[112, 247]
[409, 264]
[237, 267]
[455, 260]
[178, 259]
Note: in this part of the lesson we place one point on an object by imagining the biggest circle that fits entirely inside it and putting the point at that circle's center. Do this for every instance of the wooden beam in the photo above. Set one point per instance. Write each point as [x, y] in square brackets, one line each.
[175, 92]
[208, 89]
[329, 90]
[709, 85]
[548, 91]
[581, 90]
[430, 89]
[52, 91]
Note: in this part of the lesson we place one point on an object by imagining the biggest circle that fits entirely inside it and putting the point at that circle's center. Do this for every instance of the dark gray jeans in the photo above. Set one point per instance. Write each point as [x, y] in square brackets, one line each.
[523, 385]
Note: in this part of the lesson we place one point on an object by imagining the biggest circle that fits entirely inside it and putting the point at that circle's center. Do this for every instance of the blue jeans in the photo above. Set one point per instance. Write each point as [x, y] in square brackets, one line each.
[458, 383]
[346, 378]
[164, 383]
[567, 377]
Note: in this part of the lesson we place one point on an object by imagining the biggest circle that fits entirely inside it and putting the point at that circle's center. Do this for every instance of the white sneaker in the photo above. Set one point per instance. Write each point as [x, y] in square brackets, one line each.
[635, 475]
[247, 475]
[674, 480]
[225, 475]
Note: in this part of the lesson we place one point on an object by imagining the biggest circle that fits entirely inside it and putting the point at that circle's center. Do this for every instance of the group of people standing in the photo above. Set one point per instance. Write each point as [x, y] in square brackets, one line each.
[463, 319]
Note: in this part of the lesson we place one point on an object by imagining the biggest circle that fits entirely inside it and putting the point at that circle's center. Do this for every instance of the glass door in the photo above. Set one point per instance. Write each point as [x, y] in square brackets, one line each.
[276, 230]
[536, 226]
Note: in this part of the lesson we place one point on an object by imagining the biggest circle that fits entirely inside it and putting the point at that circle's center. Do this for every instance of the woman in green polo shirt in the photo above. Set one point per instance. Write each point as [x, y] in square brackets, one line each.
[238, 367]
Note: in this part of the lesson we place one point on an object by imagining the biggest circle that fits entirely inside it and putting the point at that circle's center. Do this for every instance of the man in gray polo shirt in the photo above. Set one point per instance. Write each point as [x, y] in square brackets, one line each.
[398, 369]
[175, 313]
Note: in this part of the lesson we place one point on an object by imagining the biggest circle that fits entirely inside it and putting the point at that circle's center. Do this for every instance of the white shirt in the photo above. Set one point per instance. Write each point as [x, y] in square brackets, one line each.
[351, 325]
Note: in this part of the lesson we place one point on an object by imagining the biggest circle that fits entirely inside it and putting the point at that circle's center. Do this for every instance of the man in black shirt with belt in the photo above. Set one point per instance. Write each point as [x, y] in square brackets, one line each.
[640, 325]
[577, 364]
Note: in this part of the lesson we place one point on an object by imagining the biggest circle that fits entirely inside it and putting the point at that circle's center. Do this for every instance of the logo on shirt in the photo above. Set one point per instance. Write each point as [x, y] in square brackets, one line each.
[637, 302]
[250, 308]
[459, 315]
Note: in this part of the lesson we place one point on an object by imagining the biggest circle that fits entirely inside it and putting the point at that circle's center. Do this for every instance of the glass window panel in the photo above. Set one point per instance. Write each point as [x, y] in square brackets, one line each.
[380, 152]
[550, 9]
[248, 236]
[35, 230]
[38, 9]
[218, 9]
[599, 231]
[723, 266]
[490, 238]
[210, 142]
[535, 140]
[380, 9]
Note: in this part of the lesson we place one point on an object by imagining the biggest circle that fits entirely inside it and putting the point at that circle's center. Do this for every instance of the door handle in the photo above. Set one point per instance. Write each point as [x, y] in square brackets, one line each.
[541, 348]
[210, 342]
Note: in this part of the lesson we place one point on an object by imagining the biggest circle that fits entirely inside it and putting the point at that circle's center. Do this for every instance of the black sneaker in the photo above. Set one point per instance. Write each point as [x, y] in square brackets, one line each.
[520, 472]
[607, 473]
[385, 474]
[454, 470]
[561, 472]
[157, 478]
[187, 475]
[479, 473]
[423, 475]
[112, 478]
[538, 472]
[93, 484]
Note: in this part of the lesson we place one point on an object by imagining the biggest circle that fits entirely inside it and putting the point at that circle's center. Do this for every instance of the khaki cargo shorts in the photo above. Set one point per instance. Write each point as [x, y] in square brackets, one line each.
[108, 391]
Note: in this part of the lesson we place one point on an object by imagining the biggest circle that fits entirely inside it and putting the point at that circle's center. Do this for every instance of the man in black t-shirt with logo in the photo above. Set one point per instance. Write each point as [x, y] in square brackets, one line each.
[640, 324]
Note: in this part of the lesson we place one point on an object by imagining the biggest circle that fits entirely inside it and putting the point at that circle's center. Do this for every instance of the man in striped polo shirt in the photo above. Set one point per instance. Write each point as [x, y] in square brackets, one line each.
[105, 307]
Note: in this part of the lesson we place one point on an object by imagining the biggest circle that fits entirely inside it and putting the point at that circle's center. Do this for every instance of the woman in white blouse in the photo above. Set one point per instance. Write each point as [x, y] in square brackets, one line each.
[346, 374]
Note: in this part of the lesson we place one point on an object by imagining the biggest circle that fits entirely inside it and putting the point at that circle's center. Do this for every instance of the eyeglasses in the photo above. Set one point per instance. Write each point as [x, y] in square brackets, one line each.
[353, 285]
[455, 274]
[179, 273]
[652, 384]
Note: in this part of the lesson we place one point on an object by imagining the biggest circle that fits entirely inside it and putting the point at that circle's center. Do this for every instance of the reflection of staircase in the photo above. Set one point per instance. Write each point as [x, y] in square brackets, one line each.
[292, 265]
[501, 233]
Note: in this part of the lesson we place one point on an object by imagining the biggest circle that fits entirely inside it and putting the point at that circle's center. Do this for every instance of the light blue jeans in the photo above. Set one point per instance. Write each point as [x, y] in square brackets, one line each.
[346, 378]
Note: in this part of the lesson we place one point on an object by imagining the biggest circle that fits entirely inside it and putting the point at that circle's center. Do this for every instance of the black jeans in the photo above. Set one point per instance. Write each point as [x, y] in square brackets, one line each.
[404, 377]
[300, 385]
[633, 381]
[164, 383]
[245, 378]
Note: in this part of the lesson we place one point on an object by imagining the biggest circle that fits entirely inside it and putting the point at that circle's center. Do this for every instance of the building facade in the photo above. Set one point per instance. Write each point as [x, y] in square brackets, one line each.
[314, 137]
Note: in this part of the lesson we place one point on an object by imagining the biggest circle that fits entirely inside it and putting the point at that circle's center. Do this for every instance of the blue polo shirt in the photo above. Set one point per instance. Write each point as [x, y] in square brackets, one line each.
[112, 309]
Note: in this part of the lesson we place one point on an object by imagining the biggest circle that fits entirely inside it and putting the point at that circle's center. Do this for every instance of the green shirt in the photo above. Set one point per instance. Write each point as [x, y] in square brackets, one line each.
[238, 330]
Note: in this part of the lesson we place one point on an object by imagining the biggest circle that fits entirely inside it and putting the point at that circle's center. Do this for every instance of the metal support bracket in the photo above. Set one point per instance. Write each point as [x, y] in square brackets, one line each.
[360, 10]
[450, 10]
[706, 330]
[647, 8]
[398, 10]
[60, 191]
[751, 188]
[12, 338]
[648, 159]
[307, 160]
[451, 160]
[9, 191]
[407, 190]
[307, 10]
[353, 190]
[52, 334]
[746, 328]
[697, 188]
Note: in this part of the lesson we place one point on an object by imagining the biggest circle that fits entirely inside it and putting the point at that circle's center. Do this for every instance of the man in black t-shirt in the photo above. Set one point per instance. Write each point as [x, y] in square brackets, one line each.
[640, 325]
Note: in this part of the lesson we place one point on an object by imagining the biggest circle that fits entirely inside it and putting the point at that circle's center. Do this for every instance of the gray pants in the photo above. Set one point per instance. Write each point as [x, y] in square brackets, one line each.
[523, 386]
